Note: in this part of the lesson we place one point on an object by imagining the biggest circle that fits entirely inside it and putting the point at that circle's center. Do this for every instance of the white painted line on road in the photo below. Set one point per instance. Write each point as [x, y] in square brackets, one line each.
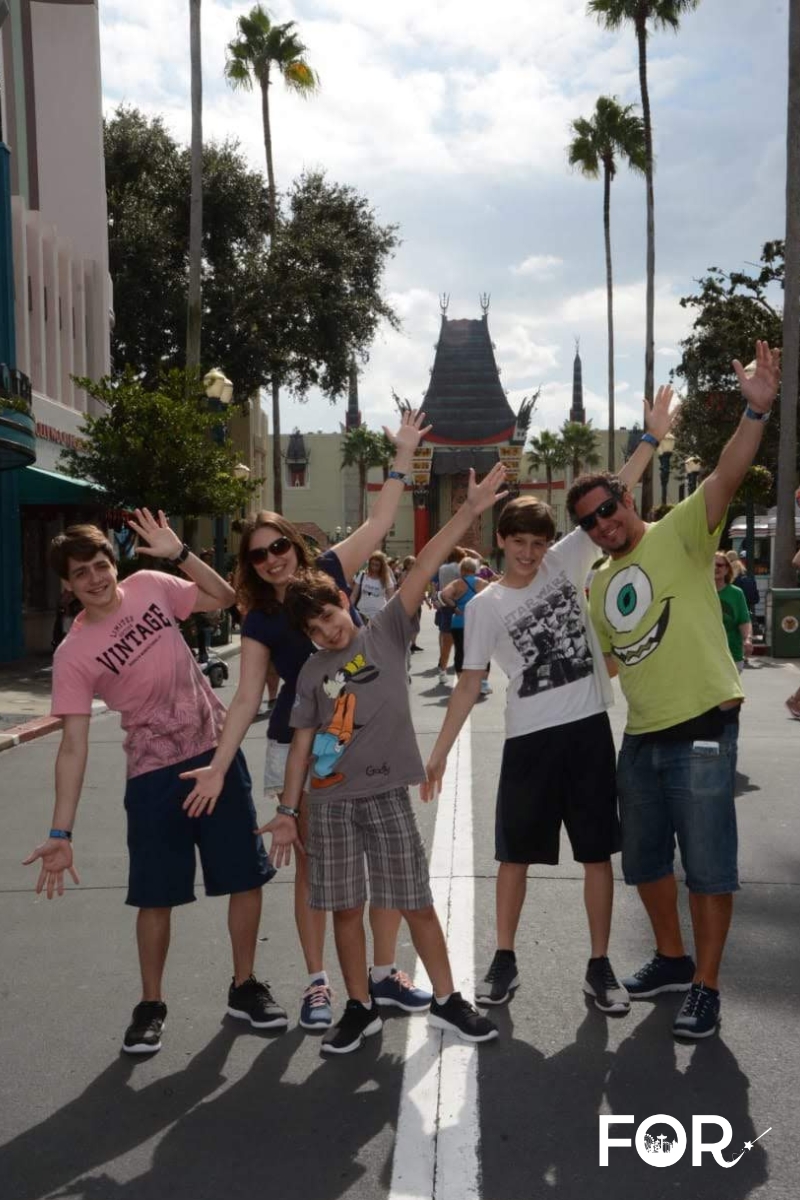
[436, 1146]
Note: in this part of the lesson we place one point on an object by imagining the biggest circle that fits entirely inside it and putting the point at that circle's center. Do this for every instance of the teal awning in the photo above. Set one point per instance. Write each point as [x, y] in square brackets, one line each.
[49, 487]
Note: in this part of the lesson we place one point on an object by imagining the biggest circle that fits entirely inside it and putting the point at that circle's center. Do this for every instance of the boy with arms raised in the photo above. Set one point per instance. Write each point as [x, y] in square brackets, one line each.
[352, 716]
[558, 756]
[126, 647]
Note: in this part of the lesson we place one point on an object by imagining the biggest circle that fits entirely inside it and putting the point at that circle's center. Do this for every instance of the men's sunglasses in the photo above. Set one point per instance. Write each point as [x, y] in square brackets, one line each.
[603, 511]
[279, 547]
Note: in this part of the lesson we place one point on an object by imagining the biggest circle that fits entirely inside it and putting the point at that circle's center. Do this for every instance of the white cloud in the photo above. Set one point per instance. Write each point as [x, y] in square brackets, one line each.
[540, 266]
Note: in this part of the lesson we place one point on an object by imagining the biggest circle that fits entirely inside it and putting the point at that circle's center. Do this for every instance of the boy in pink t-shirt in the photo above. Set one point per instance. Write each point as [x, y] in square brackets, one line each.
[126, 647]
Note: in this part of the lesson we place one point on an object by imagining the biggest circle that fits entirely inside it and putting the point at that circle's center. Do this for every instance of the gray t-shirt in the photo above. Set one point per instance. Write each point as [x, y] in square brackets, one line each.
[357, 700]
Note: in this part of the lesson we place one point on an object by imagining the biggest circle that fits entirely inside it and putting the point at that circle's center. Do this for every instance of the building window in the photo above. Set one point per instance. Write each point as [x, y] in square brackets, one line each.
[297, 475]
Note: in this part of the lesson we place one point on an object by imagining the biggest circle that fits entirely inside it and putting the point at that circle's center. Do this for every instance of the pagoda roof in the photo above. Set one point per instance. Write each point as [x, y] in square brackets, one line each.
[465, 401]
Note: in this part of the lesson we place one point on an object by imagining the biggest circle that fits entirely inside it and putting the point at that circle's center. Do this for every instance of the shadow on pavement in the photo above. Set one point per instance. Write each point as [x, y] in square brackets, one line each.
[540, 1127]
[259, 1134]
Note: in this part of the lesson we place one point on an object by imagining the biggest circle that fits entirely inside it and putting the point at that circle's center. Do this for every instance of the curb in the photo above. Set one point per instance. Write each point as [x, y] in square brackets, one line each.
[38, 727]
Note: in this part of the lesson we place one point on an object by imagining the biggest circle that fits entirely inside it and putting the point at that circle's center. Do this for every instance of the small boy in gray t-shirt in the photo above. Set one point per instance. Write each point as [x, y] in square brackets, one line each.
[352, 719]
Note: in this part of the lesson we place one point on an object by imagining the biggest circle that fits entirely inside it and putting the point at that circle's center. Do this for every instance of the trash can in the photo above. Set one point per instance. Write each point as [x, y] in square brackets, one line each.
[786, 622]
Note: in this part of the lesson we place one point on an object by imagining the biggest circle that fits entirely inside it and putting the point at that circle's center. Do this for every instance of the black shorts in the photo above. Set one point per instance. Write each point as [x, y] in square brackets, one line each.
[443, 618]
[566, 773]
[163, 840]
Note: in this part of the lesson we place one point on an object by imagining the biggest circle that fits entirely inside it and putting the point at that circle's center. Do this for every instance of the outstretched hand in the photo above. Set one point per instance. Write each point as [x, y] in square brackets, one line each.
[285, 834]
[56, 858]
[483, 495]
[434, 777]
[208, 784]
[660, 415]
[162, 542]
[761, 387]
[411, 431]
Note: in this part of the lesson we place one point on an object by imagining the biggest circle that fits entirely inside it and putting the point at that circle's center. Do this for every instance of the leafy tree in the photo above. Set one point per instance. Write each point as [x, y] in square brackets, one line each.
[546, 450]
[362, 448]
[261, 50]
[158, 447]
[733, 310]
[194, 306]
[658, 14]
[579, 443]
[613, 131]
[148, 186]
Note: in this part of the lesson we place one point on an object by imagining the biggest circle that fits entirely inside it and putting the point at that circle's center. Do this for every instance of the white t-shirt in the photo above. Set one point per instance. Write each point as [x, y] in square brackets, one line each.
[541, 637]
[372, 597]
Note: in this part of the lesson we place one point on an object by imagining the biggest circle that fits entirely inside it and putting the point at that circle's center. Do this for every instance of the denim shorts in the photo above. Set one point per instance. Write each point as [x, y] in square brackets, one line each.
[680, 790]
[163, 841]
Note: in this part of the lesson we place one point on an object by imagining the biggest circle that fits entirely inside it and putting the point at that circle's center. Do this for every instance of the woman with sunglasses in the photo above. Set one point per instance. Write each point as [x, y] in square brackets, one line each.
[271, 552]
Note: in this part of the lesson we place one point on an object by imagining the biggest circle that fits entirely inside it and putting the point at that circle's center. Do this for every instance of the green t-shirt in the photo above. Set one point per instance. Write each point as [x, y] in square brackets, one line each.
[734, 613]
[657, 612]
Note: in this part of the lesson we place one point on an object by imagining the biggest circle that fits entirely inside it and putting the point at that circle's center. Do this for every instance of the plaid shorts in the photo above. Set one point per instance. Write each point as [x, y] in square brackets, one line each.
[382, 829]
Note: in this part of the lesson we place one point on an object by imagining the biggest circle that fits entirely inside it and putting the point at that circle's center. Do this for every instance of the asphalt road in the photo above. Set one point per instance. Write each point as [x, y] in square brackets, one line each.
[223, 1113]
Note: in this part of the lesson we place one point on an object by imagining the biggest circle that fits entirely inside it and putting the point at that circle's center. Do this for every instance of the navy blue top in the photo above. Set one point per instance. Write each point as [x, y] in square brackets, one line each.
[289, 648]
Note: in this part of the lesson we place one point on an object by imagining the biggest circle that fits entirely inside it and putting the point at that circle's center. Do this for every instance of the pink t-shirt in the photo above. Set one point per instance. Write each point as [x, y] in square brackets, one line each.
[138, 663]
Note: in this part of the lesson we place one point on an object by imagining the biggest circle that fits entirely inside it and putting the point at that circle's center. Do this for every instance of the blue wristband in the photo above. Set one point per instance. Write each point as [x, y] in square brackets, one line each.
[398, 475]
[651, 441]
[754, 415]
[65, 834]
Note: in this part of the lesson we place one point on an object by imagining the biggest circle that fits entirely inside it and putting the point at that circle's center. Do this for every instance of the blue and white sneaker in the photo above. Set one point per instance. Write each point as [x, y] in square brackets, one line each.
[316, 1011]
[398, 991]
[699, 1015]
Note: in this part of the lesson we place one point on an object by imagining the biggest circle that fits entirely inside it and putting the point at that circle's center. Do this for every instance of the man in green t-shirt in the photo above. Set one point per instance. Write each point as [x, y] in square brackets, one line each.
[657, 615]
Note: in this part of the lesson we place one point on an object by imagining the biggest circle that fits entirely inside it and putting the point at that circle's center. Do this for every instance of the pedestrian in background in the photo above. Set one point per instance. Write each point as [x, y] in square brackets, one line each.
[735, 613]
[374, 588]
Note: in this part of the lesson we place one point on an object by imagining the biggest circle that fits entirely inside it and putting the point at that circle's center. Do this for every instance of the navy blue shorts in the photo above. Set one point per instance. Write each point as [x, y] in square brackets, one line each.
[162, 838]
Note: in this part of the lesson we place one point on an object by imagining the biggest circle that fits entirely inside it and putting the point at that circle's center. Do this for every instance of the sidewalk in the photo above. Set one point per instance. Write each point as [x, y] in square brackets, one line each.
[25, 696]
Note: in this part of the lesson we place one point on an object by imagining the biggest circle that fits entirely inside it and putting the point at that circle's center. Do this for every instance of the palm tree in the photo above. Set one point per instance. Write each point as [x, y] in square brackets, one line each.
[260, 51]
[194, 309]
[612, 131]
[662, 14]
[785, 539]
[580, 446]
[361, 448]
[546, 450]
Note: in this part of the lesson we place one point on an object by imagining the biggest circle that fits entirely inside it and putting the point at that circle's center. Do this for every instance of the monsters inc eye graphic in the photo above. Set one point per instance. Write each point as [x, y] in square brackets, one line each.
[628, 598]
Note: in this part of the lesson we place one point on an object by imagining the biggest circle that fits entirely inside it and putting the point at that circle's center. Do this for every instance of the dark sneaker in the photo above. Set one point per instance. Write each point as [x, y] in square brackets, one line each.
[357, 1023]
[660, 974]
[500, 980]
[398, 991]
[254, 1002]
[699, 1015]
[458, 1015]
[316, 1011]
[143, 1035]
[601, 983]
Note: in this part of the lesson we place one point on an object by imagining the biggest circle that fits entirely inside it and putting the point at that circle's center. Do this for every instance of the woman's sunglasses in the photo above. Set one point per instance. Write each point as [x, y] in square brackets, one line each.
[260, 554]
[603, 511]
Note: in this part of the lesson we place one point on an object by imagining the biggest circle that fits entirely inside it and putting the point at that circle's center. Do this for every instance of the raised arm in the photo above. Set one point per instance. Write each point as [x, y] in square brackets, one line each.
[759, 391]
[658, 418]
[360, 544]
[480, 496]
[56, 853]
[162, 542]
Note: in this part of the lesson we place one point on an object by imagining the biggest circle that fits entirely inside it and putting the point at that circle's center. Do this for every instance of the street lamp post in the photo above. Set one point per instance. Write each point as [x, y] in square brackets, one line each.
[219, 393]
[665, 462]
[692, 467]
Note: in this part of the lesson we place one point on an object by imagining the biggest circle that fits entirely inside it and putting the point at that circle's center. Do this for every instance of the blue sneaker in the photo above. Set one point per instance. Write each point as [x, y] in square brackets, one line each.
[316, 1011]
[398, 991]
[699, 1015]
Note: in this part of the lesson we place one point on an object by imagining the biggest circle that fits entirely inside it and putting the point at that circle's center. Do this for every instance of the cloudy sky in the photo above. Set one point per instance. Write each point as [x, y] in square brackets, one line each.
[453, 118]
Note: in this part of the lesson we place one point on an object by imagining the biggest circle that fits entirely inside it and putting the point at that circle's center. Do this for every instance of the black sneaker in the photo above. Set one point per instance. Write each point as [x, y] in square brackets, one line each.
[601, 982]
[458, 1015]
[500, 980]
[699, 1015]
[254, 1002]
[143, 1035]
[660, 974]
[357, 1022]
